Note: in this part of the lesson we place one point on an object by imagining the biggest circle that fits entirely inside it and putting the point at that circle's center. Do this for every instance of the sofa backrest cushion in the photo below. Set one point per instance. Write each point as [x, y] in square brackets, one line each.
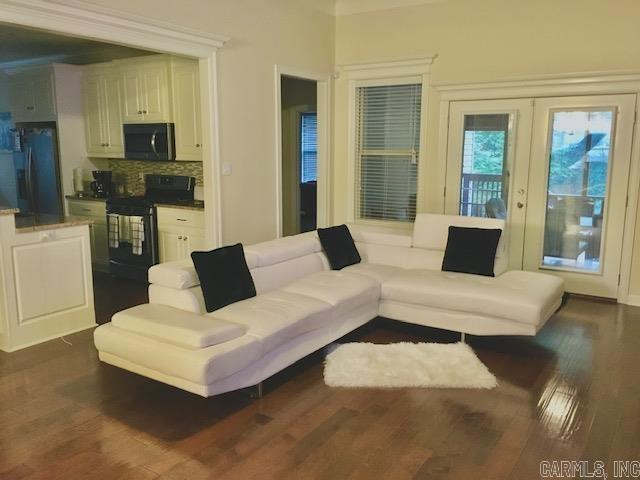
[283, 249]
[430, 231]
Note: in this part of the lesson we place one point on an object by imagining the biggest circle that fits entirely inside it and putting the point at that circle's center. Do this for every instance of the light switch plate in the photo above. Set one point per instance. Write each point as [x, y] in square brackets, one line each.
[226, 168]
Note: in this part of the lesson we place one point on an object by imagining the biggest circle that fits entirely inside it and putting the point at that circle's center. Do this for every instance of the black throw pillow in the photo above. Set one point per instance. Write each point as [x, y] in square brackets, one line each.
[339, 247]
[224, 276]
[471, 250]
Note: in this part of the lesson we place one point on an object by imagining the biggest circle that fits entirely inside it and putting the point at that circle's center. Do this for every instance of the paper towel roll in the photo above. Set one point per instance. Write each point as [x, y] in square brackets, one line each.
[78, 180]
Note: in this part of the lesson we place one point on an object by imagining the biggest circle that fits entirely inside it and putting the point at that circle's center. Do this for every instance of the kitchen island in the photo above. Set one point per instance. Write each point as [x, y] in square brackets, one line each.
[46, 287]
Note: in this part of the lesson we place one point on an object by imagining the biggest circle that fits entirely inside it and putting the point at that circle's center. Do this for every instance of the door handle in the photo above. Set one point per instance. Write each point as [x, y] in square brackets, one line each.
[153, 143]
[520, 204]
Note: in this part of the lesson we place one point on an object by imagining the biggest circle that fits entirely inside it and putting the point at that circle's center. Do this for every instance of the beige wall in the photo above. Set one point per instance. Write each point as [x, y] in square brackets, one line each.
[483, 41]
[292, 33]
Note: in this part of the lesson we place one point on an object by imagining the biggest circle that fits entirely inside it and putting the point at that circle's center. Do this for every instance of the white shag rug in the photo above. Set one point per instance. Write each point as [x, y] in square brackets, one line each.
[435, 365]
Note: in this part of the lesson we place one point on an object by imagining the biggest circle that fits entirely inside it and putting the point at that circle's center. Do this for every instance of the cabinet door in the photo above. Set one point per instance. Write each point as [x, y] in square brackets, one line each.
[193, 239]
[155, 93]
[132, 98]
[21, 98]
[112, 116]
[186, 111]
[170, 243]
[93, 115]
[44, 98]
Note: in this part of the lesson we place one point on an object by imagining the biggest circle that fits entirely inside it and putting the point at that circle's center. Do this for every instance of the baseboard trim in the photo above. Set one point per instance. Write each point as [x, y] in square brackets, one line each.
[633, 300]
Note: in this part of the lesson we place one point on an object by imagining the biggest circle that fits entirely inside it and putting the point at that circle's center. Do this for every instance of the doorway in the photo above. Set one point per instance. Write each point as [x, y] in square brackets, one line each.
[556, 169]
[299, 171]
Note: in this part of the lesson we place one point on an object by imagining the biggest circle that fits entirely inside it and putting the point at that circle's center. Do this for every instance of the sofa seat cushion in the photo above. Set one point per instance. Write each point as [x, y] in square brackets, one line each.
[177, 327]
[375, 271]
[521, 296]
[276, 317]
[343, 290]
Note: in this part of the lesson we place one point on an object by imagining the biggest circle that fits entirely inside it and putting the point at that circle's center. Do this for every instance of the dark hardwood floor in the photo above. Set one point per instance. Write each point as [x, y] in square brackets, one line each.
[572, 392]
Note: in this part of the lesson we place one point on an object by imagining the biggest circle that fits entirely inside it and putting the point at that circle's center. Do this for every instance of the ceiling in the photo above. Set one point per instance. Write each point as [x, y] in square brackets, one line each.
[22, 46]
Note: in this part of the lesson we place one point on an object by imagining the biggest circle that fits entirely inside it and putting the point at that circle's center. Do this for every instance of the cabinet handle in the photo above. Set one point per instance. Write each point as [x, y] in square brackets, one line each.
[106, 144]
[181, 219]
[139, 112]
[144, 111]
[180, 237]
[185, 238]
[31, 108]
[197, 145]
[86, 209]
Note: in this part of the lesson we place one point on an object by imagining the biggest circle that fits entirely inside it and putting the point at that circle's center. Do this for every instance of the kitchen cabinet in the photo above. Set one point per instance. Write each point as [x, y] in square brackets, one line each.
[98, 237]
[103, 114]
[180, 232]
[32, 95]
[185, 96]
[145, 91]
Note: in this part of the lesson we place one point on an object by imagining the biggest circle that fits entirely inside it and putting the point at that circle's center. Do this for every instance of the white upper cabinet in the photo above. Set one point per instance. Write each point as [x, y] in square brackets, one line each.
[32, 95]
[103, 117]
[145, 92]
[155, 89]
[185, 87]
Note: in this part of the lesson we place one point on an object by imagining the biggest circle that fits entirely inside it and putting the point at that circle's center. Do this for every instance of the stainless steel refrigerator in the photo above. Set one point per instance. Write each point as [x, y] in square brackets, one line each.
[36, 160]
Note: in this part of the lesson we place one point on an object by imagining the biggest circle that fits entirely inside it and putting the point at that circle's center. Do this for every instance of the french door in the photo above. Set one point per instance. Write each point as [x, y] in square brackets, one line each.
[487, 164]
[578, 179]
[557, 170]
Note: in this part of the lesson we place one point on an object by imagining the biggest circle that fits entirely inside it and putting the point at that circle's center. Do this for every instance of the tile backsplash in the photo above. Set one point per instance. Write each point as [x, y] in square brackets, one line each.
[128, 172]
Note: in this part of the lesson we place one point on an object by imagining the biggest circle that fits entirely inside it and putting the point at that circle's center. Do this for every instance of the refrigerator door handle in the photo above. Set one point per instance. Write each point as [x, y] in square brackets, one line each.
[29, 180]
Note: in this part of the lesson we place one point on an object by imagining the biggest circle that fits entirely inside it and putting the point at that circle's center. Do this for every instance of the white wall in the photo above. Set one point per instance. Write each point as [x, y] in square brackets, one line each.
[263, 33]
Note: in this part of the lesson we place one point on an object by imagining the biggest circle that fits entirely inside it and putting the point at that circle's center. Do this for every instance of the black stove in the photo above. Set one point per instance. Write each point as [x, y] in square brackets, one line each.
[132, 226]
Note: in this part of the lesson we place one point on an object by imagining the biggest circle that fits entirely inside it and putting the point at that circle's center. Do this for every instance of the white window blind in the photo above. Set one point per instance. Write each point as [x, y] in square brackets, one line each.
[387, 151]
[308, 147]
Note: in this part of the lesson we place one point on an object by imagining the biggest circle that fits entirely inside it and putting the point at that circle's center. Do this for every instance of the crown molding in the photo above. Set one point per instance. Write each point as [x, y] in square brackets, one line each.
[352, 7]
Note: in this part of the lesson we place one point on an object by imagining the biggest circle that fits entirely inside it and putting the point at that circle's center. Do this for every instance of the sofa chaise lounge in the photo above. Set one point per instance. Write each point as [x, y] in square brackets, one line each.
[301, 305]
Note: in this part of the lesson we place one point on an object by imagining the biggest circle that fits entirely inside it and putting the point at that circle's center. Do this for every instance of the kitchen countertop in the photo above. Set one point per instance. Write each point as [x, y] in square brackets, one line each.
[189, 205]
[86, 197]
[38, 223]
[185, 205]
[8, 210]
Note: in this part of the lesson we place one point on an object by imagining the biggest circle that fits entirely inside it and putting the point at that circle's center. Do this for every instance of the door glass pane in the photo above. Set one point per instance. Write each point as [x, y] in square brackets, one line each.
[484, 181]
[577, 189]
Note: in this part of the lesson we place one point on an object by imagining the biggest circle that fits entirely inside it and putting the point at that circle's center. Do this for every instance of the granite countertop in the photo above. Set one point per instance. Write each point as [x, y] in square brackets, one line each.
[38, 223]
[184, 205]
[85, 197]
[8, 210]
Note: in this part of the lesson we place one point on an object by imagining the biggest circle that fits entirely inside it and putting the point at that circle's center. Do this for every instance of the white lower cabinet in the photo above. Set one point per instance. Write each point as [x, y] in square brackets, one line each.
[180, 232]
[96, 212]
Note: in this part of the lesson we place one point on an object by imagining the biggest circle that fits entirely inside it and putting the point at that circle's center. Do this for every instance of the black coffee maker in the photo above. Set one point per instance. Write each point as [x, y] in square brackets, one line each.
[101, 187]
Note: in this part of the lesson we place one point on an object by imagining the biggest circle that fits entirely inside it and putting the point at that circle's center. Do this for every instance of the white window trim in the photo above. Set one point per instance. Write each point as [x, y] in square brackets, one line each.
[376, 74]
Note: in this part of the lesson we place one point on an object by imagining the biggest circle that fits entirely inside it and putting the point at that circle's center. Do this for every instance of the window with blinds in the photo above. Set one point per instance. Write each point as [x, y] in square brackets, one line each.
[308, 147]
[387, 151]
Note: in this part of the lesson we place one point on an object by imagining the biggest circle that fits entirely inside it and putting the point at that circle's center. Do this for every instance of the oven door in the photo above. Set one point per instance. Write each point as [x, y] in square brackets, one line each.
[132, 242]
[149, 141]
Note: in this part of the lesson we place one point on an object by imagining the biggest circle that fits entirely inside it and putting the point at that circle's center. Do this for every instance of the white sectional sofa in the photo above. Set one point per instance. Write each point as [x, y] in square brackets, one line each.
[302, 305]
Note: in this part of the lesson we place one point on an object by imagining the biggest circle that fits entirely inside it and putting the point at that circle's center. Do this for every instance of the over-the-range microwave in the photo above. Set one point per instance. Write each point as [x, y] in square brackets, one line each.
[149, 141]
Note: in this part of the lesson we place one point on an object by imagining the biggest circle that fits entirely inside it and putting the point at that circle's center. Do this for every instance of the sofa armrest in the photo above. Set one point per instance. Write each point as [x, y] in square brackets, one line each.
[180, 274]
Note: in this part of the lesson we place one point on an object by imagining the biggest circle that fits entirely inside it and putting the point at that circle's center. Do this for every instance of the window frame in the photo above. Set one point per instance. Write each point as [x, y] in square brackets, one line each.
[372, 75]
